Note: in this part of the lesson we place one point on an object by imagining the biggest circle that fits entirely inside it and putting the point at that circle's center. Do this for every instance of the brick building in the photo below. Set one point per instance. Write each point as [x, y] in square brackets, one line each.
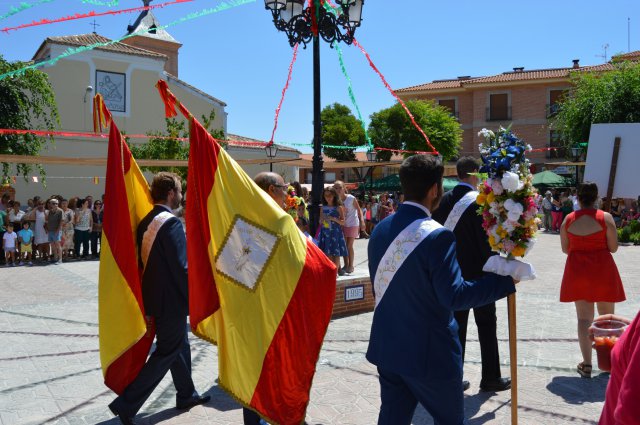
[526, 99]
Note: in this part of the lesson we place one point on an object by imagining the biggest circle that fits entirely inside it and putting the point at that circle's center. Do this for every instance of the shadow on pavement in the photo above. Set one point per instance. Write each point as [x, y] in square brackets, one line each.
[578, 390]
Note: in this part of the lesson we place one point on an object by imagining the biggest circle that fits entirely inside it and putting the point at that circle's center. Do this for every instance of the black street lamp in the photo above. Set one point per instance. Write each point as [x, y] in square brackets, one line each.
[302, 24]
[271, 151]
[371, 157]
[576, 153]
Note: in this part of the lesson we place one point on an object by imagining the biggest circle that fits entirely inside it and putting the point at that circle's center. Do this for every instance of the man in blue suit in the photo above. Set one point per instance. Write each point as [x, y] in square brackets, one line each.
[418, 285]
[163, 258]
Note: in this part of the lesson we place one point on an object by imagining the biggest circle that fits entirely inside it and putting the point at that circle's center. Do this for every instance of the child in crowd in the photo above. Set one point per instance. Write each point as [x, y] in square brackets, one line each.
[9, 244]
[331, 239]
[25, 237]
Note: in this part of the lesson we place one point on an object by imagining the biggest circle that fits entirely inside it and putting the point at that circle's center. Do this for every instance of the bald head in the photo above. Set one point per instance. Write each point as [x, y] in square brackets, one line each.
[273, 184]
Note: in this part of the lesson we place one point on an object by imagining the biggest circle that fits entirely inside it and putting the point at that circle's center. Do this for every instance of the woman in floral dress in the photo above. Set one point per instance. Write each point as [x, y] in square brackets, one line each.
[331, 239]
[67, 228]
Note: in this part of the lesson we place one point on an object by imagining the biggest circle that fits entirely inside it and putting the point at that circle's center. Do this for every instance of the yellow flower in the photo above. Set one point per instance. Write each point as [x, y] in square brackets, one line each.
[481, 199]
[502, 232]
[492, 241]
[518, 251]
[491, 197]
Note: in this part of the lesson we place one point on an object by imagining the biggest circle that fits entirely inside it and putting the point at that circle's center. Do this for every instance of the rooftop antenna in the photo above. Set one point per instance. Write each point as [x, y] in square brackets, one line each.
[604, 47]
[629, 35]
[94, 24]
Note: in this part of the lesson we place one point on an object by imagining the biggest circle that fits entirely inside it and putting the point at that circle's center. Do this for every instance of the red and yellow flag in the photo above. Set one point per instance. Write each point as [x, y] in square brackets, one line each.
[124, 339]
[257, 287]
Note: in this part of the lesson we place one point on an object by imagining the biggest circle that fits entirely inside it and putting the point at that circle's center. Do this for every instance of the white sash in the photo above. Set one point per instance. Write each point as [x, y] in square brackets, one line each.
[401, 247]
[459, 208]
[149, 236]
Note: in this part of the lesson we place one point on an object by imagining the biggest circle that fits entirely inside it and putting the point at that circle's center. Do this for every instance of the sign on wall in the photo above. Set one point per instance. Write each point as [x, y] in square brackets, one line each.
[353, 293]
[113, 88]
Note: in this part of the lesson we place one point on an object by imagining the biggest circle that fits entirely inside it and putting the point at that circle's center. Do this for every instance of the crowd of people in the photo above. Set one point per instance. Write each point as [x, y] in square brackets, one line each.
[50, 231]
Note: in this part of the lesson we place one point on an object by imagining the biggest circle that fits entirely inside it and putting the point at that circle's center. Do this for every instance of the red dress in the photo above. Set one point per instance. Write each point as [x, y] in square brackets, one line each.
[590, 273]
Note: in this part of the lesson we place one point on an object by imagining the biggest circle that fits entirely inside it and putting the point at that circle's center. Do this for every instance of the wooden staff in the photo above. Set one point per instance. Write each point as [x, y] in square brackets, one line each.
[513, 356]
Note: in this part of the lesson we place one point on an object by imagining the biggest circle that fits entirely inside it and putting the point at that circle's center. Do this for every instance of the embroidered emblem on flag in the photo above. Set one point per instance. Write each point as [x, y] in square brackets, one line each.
[246, 250]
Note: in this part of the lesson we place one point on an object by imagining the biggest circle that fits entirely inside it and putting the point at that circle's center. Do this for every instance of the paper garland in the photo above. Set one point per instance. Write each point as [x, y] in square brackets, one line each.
[75, 50]
[91, 14]
[14, 10]
[284, 90]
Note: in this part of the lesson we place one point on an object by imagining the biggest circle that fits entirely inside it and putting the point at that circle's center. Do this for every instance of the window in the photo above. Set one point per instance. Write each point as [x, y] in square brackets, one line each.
[555, 141]
[450, 104]
[555, 98]
[499, 108]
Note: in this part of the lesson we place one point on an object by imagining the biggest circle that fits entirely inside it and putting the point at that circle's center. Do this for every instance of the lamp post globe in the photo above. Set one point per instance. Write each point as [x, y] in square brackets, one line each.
[303, 24]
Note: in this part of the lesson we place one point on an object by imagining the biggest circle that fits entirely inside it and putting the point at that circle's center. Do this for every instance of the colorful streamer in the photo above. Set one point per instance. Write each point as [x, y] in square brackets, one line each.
[386, 84]
[102, 3]
[14, 10]
[284, 90]
[91, 14]
[225, 5]
[352, 96]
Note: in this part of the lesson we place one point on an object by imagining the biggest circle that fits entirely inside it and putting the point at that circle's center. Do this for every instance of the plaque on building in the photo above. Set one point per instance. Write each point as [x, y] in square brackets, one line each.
[354, 293]
[113, 88]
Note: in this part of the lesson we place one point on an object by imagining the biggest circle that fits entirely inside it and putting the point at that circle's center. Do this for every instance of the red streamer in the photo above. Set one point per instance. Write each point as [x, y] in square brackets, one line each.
[384, 81]
[91, 14]
[284, 90]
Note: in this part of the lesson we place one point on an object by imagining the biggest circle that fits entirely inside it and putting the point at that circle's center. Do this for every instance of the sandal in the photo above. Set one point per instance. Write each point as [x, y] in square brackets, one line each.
[584, 370]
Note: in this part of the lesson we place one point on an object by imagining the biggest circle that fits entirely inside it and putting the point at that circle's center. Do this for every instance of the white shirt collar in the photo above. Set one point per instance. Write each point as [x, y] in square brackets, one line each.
[422, 207]
[165, 207]
[466, 184]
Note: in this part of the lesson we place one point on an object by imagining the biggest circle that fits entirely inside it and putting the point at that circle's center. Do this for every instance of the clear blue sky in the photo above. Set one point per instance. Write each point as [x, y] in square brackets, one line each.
[238, 55]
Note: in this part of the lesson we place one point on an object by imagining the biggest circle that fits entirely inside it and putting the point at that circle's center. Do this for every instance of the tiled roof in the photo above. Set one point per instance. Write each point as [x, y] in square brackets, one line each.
[93, 38]
[175, 79]
[535, 74]
[436, 85]
[627, 56]
[236, 137]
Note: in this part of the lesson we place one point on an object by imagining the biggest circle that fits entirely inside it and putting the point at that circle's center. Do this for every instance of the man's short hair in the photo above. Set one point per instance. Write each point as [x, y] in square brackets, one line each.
[163, 183]
[466, 165]
[418, 174]
[266, 179]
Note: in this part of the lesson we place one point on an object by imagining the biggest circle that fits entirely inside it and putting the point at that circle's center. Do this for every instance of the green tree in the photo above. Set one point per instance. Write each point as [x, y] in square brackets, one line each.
[340, 128]
[166, 145]
[606, 97]
[27, 101]
[392, 128]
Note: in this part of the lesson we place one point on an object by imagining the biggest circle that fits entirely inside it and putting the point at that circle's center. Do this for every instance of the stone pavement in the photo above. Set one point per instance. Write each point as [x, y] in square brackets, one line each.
[50, 370]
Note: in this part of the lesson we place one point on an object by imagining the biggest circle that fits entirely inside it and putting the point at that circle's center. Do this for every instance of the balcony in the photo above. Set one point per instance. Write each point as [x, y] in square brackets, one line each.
[498, 114]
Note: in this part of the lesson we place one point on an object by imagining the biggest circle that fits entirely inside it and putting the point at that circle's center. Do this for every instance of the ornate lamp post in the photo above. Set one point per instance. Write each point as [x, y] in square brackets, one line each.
[371, 157]
[576, 153]
[303, 21]
[271, 151]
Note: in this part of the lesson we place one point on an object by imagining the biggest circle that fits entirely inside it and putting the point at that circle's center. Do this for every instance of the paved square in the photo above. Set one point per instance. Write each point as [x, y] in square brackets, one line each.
[50, 370]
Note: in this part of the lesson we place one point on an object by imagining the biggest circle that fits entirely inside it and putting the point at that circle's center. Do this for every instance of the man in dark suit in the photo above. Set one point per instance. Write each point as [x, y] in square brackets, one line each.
[417, 285]
[163, 258]
[458, 212]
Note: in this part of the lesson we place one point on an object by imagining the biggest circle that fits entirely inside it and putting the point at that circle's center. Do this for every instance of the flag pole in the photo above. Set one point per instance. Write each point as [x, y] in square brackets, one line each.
[513, 357]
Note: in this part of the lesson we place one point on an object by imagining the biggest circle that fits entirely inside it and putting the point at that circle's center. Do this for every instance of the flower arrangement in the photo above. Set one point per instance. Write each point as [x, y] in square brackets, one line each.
[506, 197]
[293, 202]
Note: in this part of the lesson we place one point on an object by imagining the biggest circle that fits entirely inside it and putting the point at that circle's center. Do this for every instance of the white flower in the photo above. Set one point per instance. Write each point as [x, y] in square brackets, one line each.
[496, 186]
[509, 225]
[493, 210]
[529, 148]
[487, 134]
[511, 182]
[514, 209]
[514, 215]
[493, 232]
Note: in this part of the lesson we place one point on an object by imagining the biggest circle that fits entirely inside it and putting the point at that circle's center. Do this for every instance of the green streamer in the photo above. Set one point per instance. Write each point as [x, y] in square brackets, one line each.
[75, 50]
[14, 10]
[102, 3]
[352, 96]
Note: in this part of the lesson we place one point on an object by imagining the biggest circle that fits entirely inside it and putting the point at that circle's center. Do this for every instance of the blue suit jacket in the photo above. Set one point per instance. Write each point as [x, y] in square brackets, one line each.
[413, 331]
[165, 289]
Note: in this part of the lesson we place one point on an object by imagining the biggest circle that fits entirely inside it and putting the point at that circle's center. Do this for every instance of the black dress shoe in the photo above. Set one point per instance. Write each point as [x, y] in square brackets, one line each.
[125, 420]
[495, 385]
[193, 401]
[465, 385]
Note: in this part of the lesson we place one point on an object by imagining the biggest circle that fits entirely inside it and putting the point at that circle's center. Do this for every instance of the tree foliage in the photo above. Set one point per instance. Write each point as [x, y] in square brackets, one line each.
[166, 145]
[607, 97]
[341, 128]
[27, 101]
[392, 128]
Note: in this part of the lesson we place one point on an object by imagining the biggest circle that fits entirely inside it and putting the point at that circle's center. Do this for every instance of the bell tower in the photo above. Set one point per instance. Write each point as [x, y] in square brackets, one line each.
[155, 39]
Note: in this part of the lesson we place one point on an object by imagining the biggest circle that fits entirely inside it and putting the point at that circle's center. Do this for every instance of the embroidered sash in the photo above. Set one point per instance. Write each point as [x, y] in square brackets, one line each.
[399, 250]
[149, 236]
[459, 208]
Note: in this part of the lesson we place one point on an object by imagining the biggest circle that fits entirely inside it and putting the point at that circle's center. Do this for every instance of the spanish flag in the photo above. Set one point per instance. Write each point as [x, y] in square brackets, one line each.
[258, 288]
[124, 338]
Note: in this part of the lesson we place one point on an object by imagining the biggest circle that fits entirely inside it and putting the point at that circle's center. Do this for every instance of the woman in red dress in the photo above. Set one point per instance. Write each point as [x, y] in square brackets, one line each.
[590, 277]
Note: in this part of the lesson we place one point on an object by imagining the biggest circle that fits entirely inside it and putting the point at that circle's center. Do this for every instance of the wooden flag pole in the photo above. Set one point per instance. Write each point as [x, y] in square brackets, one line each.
[513, 356]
